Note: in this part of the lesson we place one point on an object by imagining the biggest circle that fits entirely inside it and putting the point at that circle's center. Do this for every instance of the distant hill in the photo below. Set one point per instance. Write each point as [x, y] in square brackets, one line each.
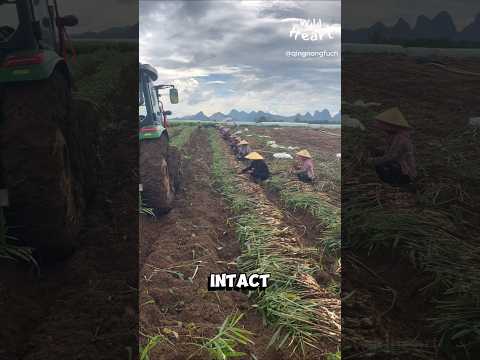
[318, 117]
[119, 32]
[441, 27]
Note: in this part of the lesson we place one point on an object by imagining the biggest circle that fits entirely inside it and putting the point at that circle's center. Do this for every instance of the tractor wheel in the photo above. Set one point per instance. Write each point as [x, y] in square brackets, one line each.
[155, 175]
[174, 161]
[45, 204]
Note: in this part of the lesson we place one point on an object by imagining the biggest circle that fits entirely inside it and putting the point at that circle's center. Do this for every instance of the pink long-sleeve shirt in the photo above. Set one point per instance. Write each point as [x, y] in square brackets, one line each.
[307, 165]
[401, 149]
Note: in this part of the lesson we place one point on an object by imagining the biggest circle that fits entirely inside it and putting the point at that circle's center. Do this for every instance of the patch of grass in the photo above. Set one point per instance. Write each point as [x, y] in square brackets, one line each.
[334, 356]
[190, 123]
[152, 342]
[182, 137]
[88, 47]
[9, 250]
[314, 204]
[143, 208]
[295, 318]
[224, 345]
[98, 73]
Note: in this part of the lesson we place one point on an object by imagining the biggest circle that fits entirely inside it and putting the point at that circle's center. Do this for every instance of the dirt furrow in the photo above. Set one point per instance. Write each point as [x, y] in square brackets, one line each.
[289, 236]
[178, 252]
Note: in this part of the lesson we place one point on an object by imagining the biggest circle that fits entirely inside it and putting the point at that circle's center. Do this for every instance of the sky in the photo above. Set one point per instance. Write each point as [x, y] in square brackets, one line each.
[225, 55]
[365, 13]
[91, 16]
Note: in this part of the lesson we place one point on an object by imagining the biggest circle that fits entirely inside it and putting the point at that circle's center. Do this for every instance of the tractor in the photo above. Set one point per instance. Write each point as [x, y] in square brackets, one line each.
[159, 163]
[47, 162]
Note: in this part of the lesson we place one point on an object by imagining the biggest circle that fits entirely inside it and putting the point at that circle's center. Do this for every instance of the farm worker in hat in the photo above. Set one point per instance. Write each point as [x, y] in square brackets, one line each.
[243, 149]
[234, 140]
[305, 165]
[258, 168]
[397, 165]
[225, 132]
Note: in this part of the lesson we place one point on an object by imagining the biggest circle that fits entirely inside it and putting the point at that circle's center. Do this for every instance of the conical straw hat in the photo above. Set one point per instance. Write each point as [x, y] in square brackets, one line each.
[393, 116]
[304, 153]
[254, 156]
[243, 142]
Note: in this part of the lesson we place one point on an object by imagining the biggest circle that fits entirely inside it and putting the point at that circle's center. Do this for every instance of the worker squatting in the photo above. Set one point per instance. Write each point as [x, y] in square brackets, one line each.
[394, 164]
[258, 168]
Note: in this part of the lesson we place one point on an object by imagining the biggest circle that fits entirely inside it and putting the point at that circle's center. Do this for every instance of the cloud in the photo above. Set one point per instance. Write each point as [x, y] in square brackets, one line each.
[232, 55]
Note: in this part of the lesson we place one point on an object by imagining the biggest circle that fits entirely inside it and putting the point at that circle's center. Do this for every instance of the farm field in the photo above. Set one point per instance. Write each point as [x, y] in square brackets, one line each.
[82, 307]
[410, 279]
[223, 222]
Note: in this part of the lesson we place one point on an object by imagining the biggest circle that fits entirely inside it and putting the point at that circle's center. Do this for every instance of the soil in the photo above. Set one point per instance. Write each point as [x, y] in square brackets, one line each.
[86, 306]
[435, 101]
[323, 144]
[177, 253]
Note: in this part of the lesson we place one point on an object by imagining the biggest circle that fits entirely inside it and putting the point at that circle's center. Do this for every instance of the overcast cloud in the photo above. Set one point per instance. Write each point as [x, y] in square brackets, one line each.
[225, 55]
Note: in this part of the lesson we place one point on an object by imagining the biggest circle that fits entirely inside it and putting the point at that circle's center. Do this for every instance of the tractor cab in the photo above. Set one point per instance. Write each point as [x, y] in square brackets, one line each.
[158, 162]
[35, 103]
[32, 39]
[152, 116]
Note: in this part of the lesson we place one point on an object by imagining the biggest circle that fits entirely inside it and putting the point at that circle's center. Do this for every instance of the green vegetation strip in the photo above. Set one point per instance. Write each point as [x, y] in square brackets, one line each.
[99, 71]
[182, 136]
[228, 337]
[436, 235]
[294, 198]
[299, 310]
[8, 249]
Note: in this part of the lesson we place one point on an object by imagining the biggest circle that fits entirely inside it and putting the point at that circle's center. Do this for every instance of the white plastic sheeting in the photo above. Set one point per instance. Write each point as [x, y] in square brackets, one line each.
[361, 103]
[282, 156]
[475, 121]
[352, 122]
[274, 145]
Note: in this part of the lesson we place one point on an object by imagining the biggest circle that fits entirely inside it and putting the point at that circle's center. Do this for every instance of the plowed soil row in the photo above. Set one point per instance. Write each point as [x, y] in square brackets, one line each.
[178, 252]
[294, 233]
